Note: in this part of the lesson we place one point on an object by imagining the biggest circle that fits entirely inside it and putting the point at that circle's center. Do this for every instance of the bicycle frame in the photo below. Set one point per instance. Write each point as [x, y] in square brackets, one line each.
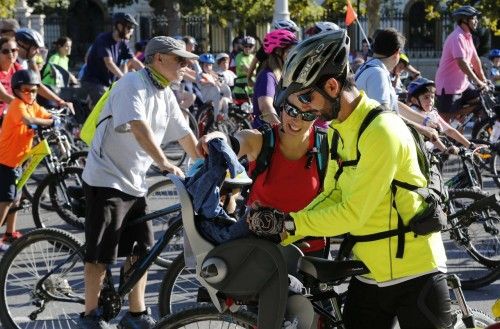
[34, 157]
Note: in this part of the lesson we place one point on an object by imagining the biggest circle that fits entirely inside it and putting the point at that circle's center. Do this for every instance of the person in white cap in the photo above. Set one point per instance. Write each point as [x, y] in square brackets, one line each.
[140, 110]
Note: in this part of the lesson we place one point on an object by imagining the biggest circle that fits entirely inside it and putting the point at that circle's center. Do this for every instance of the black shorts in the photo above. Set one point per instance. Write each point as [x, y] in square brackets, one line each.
[451, 103]
[423, 302]
[106, 232]
[8, 177]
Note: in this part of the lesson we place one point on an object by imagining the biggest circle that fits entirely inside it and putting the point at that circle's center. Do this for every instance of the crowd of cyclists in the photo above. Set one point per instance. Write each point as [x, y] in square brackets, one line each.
[303, 92]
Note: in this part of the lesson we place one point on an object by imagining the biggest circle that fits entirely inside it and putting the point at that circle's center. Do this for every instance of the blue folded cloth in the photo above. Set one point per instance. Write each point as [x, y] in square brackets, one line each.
[204, 186]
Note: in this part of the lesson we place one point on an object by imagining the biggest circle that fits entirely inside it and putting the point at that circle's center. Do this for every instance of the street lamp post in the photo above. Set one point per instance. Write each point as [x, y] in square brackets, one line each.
[281, 10]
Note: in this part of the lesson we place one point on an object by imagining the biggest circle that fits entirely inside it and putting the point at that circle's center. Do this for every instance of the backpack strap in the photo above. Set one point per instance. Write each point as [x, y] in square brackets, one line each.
[364, 67]
[336, 136]
[321, 145]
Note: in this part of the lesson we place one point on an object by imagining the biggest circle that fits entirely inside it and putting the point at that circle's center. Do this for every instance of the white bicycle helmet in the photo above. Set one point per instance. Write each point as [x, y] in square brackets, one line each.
[30, 36]
[285, 24]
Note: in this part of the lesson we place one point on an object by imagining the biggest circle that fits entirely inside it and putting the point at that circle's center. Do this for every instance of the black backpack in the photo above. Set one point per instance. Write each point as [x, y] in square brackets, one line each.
[433, 219]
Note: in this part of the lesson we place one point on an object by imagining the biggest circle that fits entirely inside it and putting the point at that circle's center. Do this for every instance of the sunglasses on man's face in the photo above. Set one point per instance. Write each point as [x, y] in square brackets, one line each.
[8, 51]
[295, 112]
[306, 98]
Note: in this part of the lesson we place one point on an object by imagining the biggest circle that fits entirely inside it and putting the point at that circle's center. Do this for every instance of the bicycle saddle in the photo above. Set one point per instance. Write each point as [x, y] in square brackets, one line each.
[325, 270]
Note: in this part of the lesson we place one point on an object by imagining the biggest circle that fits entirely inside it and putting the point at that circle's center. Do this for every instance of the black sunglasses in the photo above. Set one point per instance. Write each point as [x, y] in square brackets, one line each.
[295, 112]
[8, 51]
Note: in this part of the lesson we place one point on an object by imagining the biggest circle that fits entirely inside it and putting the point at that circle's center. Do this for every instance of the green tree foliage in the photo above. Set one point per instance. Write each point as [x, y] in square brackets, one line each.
[249, 12]
[490, 10]
[6, 7]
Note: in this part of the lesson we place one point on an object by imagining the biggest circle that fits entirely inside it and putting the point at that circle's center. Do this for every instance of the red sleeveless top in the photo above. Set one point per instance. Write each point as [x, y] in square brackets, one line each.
[286, 185]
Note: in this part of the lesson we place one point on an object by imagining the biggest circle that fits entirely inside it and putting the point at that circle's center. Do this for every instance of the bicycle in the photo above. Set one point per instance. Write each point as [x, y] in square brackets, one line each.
[317, 298]
[471, 237]
[42, 278]
[42, 152]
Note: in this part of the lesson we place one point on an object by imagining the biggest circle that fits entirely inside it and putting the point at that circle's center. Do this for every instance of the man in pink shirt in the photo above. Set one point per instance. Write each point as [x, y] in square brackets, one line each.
[459, 66]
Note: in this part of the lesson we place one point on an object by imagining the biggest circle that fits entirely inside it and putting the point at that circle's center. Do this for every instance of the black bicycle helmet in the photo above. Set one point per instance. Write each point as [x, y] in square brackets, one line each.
[124, 18]
[30, 37]
[465, 12]
[324, 54]
[24, 77]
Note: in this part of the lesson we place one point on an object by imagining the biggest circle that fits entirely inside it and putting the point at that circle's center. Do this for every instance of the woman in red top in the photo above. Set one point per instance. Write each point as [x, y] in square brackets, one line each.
[8, 66]
[289, 183]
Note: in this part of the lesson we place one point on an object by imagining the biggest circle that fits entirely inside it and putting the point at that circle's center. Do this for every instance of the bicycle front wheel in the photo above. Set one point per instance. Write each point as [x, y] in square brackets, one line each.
[69, 212]
[481, 320]
[470, 241]
[207, 316]
[27, 297]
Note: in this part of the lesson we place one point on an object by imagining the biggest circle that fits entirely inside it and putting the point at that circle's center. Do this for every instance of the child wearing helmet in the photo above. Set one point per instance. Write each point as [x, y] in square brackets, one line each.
[243, 61]
[223, 70]
[16, 138]
[421, 96]
[213, 88]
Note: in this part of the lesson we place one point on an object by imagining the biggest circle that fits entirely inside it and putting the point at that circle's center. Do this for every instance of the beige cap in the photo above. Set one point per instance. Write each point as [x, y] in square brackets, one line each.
[166, 45]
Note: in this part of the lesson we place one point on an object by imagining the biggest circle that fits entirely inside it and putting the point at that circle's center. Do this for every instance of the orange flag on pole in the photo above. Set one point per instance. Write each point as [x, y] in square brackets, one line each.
[350, 15]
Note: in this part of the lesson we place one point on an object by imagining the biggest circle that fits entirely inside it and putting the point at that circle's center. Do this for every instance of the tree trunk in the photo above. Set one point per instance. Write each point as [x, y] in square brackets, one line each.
[373, 15]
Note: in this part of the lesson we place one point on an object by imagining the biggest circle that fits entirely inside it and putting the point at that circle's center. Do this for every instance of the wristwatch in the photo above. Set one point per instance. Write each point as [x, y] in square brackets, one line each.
[289, 225]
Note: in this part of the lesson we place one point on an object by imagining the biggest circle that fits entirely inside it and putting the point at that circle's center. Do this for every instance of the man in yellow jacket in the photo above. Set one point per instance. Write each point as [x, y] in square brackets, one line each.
[406, 279]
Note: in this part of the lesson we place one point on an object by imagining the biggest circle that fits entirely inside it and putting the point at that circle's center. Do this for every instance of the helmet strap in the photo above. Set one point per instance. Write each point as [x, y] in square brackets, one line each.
[334, 102]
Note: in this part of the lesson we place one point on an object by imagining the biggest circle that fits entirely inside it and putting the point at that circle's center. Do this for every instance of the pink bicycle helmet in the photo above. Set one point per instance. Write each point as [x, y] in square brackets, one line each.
[278, 39]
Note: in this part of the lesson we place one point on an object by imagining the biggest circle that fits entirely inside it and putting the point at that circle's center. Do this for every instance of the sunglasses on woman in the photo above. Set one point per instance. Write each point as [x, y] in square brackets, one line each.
[295, 112]
[6, 51]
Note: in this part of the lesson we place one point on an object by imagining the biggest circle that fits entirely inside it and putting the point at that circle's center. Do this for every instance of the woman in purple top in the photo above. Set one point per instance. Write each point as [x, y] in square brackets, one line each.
[276, 45]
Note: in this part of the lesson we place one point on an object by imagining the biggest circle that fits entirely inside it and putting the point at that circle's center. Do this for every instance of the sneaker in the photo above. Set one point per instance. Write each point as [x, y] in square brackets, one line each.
[3, 247]
[144, 321]
[92, 321]
[12, 237]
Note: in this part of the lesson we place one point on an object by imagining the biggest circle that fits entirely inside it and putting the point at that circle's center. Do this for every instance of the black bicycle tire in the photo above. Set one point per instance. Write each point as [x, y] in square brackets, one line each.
[174, 229]
[478, 195]
[73, 221]
[495, 159]
[53, 235]
[481, 320]
[482, 125]
[167, 284]
[207, 312]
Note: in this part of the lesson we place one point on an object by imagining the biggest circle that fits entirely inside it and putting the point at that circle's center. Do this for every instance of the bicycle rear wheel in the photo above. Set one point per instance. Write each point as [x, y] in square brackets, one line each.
[471, 242]
[69, 212]
[160, 195]
[207, 316]
[481, 320]
[25, 301]
[179, 288]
